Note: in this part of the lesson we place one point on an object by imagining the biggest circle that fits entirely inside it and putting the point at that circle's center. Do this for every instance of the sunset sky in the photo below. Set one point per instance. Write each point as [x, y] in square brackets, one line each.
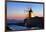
[17, 10]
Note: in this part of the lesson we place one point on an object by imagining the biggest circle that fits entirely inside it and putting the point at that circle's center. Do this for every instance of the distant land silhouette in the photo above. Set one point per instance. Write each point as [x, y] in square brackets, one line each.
[14, 21]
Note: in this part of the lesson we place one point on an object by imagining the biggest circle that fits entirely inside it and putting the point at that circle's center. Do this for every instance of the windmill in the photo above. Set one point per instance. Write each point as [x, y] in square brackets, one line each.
[29, 10]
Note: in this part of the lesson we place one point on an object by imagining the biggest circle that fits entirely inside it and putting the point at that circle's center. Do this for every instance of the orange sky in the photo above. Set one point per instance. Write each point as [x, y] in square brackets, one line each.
[22, 16]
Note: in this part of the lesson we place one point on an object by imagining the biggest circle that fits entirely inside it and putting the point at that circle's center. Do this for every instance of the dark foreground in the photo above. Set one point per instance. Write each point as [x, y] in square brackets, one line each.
[32, 24]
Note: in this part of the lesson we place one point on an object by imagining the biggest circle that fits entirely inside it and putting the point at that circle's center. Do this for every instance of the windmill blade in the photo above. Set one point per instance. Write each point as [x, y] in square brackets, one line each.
[26, 10]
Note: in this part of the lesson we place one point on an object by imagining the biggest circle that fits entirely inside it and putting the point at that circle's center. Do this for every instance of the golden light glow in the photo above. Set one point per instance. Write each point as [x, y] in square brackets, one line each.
[33, 14]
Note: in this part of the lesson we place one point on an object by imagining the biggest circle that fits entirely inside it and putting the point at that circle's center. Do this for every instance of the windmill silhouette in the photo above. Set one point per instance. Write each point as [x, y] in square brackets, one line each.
[29, 10]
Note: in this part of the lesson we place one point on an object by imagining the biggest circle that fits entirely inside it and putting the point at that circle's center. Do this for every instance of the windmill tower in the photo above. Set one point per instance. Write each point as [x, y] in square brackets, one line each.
[29, 10]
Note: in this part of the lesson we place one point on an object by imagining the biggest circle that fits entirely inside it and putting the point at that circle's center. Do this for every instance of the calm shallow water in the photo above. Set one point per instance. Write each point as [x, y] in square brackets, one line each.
[16, 27]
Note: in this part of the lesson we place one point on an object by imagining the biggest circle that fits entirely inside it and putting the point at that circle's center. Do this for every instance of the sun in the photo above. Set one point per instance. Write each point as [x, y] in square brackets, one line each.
[33, 15]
